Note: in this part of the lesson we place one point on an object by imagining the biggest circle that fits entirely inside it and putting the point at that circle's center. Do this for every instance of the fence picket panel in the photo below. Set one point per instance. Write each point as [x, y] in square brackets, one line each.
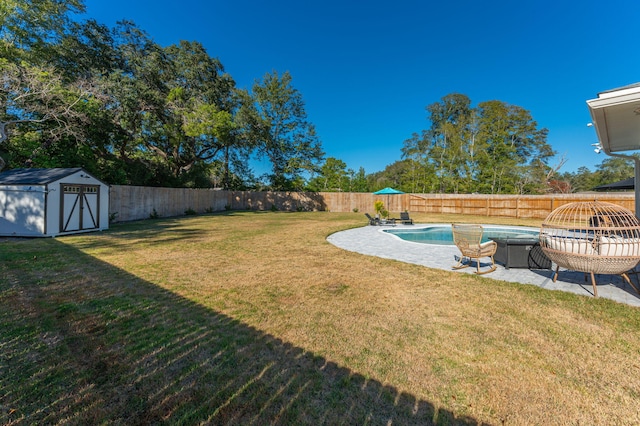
[137, 202]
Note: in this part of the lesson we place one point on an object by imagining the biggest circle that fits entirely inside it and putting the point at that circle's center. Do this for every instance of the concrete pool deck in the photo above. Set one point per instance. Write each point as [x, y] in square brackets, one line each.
[372, 241]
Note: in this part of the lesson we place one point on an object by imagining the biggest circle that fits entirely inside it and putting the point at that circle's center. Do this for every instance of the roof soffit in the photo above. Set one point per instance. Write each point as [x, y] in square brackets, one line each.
[616, 116]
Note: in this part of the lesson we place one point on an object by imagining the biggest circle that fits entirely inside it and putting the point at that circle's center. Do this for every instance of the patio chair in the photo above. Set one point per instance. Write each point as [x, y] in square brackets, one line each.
[468, 239]
[594, 237]
[405, 219]
[372, 220]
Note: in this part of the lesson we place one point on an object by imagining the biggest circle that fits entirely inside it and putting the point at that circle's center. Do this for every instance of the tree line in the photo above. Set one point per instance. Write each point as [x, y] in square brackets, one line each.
[111, 100]
[493, 148]
[133, 112]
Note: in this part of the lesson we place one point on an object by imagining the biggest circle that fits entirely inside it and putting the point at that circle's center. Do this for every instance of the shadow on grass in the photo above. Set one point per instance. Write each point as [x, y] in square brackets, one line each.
[83, 342]
[169, 229]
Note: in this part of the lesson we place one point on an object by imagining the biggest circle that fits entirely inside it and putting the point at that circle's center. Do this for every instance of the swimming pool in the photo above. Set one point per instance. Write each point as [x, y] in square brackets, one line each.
[441, 234]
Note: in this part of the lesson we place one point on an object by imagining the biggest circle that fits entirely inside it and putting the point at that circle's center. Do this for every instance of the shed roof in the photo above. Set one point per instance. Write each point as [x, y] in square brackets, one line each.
[35, 176]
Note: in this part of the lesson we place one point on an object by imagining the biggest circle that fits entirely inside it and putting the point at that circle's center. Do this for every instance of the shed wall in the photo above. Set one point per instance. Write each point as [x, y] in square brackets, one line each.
[22, 210]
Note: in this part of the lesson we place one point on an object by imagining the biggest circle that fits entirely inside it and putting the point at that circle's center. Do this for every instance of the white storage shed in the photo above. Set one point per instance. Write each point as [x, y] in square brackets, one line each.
[52, 202]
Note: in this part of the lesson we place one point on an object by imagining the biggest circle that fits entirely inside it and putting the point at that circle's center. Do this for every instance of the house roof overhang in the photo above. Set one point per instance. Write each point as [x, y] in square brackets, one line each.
[616, 117]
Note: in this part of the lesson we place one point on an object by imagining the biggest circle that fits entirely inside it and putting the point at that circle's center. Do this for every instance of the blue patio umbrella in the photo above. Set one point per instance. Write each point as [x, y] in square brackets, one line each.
[388, 191]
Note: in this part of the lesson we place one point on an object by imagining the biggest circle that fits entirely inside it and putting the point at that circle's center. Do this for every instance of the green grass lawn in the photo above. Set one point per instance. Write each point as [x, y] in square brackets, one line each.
[253, 318]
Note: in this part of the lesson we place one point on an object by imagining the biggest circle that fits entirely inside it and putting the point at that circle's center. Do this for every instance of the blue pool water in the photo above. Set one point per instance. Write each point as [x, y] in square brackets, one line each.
[442, 234]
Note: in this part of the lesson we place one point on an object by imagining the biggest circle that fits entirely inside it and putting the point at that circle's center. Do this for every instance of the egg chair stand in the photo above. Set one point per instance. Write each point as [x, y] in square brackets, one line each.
[624, 276]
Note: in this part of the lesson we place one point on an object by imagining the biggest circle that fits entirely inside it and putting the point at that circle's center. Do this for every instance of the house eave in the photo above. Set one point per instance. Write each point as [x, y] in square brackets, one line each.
[616, 117]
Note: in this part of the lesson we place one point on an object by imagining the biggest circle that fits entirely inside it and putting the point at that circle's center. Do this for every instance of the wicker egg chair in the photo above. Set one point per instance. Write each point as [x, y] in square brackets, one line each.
[592, 237]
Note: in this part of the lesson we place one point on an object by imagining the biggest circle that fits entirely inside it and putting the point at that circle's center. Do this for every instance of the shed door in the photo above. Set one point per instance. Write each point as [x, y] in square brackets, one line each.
[79, 207]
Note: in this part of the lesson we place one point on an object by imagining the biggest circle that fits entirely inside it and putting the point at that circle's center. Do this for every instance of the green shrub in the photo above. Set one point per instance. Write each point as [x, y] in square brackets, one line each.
[378, 205]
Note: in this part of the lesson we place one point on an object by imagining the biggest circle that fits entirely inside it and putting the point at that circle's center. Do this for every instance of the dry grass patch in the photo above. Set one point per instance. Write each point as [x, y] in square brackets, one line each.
[253, 318]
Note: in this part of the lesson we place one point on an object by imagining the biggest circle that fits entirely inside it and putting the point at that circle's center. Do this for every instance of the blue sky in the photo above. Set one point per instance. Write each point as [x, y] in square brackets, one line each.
[367, 69]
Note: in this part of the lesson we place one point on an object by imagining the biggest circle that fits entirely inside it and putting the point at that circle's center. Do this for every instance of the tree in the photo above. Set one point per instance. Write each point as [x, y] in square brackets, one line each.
[610, 170]
[555, 183]
[199, 125]
[509, 141]
[114, 101]
[492, 148]
[357, 180]
[286, 138]
[38, 107]
[582, 180]
[613, 169]
[167, 114]
[28, 28]
[333, 176]
[449, 148]
[422, 175]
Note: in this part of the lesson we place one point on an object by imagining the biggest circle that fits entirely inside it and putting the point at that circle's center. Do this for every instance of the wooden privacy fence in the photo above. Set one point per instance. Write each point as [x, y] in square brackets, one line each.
[519, 206]
[140, 202]
[137, 202]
